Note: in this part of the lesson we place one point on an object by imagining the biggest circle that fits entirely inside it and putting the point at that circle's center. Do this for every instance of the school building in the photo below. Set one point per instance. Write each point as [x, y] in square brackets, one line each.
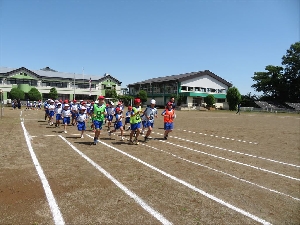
[68, 85]
[194, 87]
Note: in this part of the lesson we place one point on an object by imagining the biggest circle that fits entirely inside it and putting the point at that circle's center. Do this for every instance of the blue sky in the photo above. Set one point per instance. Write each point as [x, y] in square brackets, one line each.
[134, 40]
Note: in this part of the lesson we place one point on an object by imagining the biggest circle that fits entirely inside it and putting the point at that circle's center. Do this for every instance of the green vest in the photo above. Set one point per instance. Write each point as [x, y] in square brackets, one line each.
[99, 112]
[136, 118]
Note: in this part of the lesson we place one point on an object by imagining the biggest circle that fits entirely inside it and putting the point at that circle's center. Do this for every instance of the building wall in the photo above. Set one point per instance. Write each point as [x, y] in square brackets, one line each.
[205, 81]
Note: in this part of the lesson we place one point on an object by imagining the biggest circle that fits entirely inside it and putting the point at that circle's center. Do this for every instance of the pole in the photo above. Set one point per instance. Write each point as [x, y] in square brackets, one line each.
[83, 76]
[1, 99]
[74, 87]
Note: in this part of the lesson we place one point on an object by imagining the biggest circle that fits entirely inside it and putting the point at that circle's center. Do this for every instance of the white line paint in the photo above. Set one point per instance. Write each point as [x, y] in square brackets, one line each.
[232, 161]
[220, 201]
[136, 198]
[226, 138]
[236, 152]
[57, 217]
[224, 173]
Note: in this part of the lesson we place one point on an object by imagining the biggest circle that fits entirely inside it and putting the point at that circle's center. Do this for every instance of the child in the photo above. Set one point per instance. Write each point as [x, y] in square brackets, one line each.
[51, 109]
[66, 114]
[110, 114]
[58, 111]
[127, 118]
[81, 119]
[74, 112]
[169, 115]
[135, 121]
[118, 123]
[149, 114]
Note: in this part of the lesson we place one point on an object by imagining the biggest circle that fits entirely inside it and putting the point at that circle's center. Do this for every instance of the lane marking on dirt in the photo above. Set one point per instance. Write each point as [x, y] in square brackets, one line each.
[233, 161]
[232, 151]
[135, 197]
[57, 217]
[222, 172]
[220, 201]
[216, 136]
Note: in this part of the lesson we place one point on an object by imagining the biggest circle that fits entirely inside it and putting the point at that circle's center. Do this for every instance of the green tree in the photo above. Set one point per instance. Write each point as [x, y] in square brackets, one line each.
[281, 83]
[248, 100]
[291, 63]
[34, 94]
[53, 93]
[126, 99]
[111, 93]
[17, 93]
[233, 97]
[142, 95]
[210, 100]
[271, 83]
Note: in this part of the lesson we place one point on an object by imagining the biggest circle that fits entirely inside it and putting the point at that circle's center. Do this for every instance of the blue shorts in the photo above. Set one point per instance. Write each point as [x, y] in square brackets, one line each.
[144, 123]
[168, 126]
[81, 126]
[51, 113]
[118, 125]
[135, 126]
[47, 112]
[148, 124]
[110, 117]
[74, 115]
[98, 124]
[58, 116]
[127, 120]
[66, 120]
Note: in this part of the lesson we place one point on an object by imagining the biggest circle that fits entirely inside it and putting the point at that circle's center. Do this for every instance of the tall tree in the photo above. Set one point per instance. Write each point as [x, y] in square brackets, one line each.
[281, 83]
[233, 97]
[53, 93]
[271, 83]
[291, 63]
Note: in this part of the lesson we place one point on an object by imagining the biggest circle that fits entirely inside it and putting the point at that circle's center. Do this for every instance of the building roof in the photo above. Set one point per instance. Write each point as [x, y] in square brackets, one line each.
[47, 72]
[183, 77]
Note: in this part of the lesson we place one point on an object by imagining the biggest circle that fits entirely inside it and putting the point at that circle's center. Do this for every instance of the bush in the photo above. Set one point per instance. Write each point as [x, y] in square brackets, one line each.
[210, 100]
[16, 93]
[53, 93]
[34, 94]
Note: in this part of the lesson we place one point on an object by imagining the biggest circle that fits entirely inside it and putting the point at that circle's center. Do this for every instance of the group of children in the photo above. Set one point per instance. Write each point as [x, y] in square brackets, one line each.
[100, 113]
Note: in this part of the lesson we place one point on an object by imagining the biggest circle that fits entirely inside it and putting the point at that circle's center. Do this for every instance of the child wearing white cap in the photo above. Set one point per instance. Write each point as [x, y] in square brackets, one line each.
[66, 114]
[81, 119]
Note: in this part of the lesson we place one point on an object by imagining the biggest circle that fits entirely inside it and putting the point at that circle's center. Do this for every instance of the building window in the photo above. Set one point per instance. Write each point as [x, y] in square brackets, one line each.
[183, 88]
[190, 88]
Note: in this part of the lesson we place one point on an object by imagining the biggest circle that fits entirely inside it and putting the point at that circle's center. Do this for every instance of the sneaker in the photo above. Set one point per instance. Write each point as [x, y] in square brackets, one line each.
[131, 142]
[136, 142]
[81, 136]
[95, 141]
[109, 134]
[122, 138]
[142, 132]
[165, 137]
[146, 139]
[65, 131]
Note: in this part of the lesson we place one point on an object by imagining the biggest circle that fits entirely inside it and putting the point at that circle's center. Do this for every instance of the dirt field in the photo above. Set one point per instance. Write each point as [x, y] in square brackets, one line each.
[215, 168]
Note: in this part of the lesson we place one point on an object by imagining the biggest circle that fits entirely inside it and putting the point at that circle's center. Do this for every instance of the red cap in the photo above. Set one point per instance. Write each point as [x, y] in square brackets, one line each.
[101, 97]
[129, 107]
[74, 100]
[66, 101]
[137, 100]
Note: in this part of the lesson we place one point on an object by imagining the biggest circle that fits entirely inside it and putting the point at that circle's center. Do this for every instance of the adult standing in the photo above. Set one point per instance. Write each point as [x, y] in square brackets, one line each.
[99, 117]
[239, 109]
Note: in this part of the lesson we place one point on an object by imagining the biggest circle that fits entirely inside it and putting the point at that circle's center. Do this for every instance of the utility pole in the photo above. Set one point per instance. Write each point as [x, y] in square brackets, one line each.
[1, 99]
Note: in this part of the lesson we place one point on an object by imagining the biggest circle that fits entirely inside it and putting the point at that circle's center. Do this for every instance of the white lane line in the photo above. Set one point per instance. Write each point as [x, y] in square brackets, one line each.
[224, 173]
[233, 161]
[236, 152]
[226, 138]
[220, 201]
[57, 217]
[135, 197]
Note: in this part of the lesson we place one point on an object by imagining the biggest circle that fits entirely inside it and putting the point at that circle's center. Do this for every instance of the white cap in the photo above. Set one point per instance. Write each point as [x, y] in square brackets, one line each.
[51, 101]
[112, 103]
[153, 101]
[66, 105]
[97, 102]
[82, 108]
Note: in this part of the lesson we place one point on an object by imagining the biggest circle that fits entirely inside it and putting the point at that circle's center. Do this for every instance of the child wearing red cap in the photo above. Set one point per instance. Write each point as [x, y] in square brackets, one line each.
[118, 123]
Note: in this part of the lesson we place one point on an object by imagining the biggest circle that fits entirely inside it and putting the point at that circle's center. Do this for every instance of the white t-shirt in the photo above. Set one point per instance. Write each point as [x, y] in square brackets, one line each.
[81, 117]
[66, 113]
[151, 112]
[51, 107]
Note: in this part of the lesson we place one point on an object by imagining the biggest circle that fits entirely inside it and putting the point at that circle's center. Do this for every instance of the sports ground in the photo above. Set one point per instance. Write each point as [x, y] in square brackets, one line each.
[215, 168]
